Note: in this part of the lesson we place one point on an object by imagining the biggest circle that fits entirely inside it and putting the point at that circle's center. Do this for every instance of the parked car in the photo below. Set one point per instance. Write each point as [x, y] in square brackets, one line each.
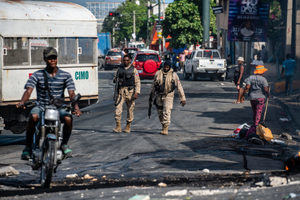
[205, 63]
[113, 59]
[147, 63]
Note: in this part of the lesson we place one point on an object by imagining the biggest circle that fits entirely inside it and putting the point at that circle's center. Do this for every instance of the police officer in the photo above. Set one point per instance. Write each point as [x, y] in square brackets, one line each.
[127, 89]
[162, 93]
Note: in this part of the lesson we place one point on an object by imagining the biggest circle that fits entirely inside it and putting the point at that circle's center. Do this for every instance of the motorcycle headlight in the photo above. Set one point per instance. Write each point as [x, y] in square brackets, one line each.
[51, 114]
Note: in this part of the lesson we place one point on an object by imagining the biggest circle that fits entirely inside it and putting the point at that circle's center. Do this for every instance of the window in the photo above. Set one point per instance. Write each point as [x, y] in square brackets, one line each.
[216, 54]
[114, 53]
[37, 47]
[211, 54]
[87, 48]
[199, 54]
[67, 51]
[16, 51]
[145, 57]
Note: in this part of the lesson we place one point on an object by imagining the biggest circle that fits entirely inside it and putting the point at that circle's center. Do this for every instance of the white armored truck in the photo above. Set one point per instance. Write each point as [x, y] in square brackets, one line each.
[26, 29]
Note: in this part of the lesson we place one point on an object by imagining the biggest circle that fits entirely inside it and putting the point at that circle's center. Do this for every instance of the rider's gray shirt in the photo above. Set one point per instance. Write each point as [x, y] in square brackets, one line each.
[57, 85]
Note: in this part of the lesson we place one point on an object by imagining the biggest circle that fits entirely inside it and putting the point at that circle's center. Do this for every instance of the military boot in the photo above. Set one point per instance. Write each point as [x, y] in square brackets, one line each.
[164, 130]
[127, 128]
[118, 128]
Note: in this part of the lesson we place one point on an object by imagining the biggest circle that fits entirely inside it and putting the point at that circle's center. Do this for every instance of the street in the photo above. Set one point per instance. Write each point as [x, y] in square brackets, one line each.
[197, 155]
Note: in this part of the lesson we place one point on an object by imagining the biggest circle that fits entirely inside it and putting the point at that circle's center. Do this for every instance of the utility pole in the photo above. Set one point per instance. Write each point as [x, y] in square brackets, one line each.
[148, 21]
[159, 40]
[113, 33]
[134, 35]
[205, 22]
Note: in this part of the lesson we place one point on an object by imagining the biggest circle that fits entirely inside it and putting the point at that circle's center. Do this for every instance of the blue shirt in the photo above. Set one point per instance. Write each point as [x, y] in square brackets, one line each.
[57, 85]
[289, 66]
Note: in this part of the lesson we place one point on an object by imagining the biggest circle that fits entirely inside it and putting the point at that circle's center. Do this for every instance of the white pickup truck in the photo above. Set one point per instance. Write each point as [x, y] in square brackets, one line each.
[205, 63]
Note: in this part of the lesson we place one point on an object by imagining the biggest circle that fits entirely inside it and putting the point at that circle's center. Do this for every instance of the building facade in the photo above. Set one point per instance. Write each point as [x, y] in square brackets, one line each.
[101, 9]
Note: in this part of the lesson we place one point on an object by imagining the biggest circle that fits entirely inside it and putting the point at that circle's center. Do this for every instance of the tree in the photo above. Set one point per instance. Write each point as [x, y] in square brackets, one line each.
[124, 23]
[212, 24]
[182, 22]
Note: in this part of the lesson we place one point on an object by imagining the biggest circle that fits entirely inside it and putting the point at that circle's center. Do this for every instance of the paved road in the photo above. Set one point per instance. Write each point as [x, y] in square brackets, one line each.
[197, 153]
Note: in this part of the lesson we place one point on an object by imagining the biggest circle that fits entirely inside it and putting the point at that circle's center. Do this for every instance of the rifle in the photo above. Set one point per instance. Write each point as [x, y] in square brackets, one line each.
[117, 97]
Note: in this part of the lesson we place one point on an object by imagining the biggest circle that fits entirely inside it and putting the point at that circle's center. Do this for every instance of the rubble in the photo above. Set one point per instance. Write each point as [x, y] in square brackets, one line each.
[176, 193]
[161, 184]
[8, 171]
[72, 176]
[140, 197]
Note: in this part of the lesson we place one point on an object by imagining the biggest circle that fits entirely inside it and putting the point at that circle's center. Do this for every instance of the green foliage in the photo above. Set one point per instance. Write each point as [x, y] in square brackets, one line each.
[125, 22]
[275, 21]
[182, 22]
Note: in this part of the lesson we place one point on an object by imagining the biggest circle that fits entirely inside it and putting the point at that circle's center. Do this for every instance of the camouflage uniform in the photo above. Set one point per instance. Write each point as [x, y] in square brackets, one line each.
[163, 89]
[126, 94]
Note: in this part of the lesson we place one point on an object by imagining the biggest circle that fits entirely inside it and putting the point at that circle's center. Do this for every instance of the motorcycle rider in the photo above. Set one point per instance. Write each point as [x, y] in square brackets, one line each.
[58, 80]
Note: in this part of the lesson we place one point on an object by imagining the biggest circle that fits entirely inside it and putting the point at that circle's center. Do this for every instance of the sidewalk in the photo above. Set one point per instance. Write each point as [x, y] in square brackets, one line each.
[291, 103]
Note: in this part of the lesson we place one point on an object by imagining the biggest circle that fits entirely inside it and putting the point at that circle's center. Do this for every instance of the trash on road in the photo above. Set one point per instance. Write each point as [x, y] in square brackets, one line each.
[140, 197]
[277, 141]
[205, 170]
[284, 119]
[8, 171]
[240, 131]
[72, 176]
[292, 196]
[161, 184]
[176, 193]
[278, 181]
[87, 176]
[286, 136]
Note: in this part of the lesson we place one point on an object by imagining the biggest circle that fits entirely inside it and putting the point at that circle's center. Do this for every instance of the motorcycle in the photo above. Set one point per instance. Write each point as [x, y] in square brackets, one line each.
[47, 138]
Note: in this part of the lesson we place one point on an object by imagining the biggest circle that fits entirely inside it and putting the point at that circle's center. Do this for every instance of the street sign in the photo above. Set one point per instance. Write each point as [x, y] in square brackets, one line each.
[159, 34]
[217, 9]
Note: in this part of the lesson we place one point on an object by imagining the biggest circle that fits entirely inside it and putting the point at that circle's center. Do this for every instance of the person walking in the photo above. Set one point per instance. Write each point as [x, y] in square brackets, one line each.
[288, 70]
[128, 88]
[239, 79]
[258, 88]
[182, 60]
[58, 81]
[162, 93]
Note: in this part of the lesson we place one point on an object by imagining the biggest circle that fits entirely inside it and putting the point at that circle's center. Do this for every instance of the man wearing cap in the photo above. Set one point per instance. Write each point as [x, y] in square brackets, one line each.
[58, 80]
[129, 86]
[258, 88]
[162, 93]
[238, 79]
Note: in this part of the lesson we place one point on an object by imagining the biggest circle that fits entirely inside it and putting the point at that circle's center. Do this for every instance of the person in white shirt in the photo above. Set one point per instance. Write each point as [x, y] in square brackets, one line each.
[256, 62]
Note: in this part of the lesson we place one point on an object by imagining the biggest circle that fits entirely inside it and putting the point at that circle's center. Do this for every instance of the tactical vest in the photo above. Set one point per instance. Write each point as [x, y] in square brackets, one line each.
[160, 88]
[126, 77]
